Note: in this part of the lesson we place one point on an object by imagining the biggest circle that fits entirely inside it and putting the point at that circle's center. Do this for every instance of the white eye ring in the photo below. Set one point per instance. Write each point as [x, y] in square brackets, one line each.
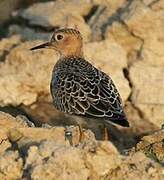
[59, 37]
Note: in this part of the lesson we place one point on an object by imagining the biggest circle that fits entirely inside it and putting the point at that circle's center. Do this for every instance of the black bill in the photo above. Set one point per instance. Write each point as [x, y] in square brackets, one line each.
[45, 45]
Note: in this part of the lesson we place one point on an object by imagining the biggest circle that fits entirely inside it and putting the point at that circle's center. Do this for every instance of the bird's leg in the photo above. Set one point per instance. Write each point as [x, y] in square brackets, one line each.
[106, 135]
[68, 135]
[81, 136]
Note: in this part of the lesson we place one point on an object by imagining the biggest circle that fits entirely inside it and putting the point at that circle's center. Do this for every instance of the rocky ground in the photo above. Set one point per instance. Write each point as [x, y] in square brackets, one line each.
[125, 39]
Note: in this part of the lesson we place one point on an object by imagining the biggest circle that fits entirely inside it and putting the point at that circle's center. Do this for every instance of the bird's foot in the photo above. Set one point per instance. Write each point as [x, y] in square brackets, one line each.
[68, 135]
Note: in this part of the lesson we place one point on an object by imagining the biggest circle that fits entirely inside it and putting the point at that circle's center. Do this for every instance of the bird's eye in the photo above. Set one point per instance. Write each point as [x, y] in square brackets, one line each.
[59, 37]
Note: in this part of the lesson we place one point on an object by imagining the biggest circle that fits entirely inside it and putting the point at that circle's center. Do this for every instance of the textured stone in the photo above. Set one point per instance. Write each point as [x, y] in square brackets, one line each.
[4, 142]
[136, 166]
[27, 71]
[59, 14]
[7, 122]
[147, 24]
[54, 12]
[45, 154]
[7, 44]
[152, 145]
[27, 33]
[121, 35]
[11, 165]
[148, 90]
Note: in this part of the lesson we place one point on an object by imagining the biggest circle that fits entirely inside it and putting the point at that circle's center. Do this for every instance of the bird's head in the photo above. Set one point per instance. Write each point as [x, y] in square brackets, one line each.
[67, 41]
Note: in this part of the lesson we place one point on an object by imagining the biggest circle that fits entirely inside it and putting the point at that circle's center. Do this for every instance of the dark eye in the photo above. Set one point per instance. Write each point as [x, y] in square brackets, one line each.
[59, 37]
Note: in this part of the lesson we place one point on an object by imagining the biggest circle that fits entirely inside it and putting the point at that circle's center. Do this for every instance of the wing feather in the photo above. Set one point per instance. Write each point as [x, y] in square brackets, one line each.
[88, 91]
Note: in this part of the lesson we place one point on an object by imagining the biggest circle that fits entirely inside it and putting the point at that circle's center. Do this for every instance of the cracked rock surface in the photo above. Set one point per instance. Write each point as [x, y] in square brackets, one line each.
[123, 38]
[33, 153]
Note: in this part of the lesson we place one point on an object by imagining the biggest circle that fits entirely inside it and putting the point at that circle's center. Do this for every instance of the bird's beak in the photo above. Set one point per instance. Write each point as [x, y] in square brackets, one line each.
[45, 45]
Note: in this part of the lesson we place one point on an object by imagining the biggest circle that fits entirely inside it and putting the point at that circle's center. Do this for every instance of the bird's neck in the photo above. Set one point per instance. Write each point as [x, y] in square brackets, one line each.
[71, 51]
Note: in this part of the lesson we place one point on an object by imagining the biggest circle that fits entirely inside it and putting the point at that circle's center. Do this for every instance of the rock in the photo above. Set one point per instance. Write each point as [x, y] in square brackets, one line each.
[27, 71]
[131, 43]
[4, 142]
[27, 33]
[54, 12]
[11, 165]
[7, 122]
[136, 166]
[139, 125]
[152, 145]
[39, 153]
[148, 91]
[67, 162]
[147, 24]
[141, 24]
[7, 44]
[59, 14]
[105, 14]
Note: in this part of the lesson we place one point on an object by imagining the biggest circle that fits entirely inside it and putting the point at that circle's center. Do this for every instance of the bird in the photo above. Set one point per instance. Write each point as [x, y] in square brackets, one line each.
[77, 87]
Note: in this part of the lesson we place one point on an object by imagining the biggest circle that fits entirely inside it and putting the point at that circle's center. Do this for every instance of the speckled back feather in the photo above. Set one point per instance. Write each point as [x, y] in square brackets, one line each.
[79, 88]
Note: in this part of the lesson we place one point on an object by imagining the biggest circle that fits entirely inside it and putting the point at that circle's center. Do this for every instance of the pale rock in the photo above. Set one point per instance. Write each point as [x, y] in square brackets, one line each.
[140, 19]
[65, 162]
[153, 51]
[25, 74]
[152, 145]
[7, 44]
[106, 12]
[153, 112]
[46, 155]
[11, 165]
[147, 24]
[27, 33]
[4, 142]
[8, 122]
[148, 90]
[54, 12]
[59, 14]
[129, 42]
[154, 5]
[148, 2]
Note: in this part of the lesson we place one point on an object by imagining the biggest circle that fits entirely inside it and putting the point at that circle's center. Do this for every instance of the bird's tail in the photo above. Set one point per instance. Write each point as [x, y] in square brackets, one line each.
[121, 120]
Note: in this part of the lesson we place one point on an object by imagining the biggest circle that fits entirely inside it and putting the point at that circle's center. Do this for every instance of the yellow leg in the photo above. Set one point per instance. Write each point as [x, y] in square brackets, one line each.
[106, 135]
[81, 135]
